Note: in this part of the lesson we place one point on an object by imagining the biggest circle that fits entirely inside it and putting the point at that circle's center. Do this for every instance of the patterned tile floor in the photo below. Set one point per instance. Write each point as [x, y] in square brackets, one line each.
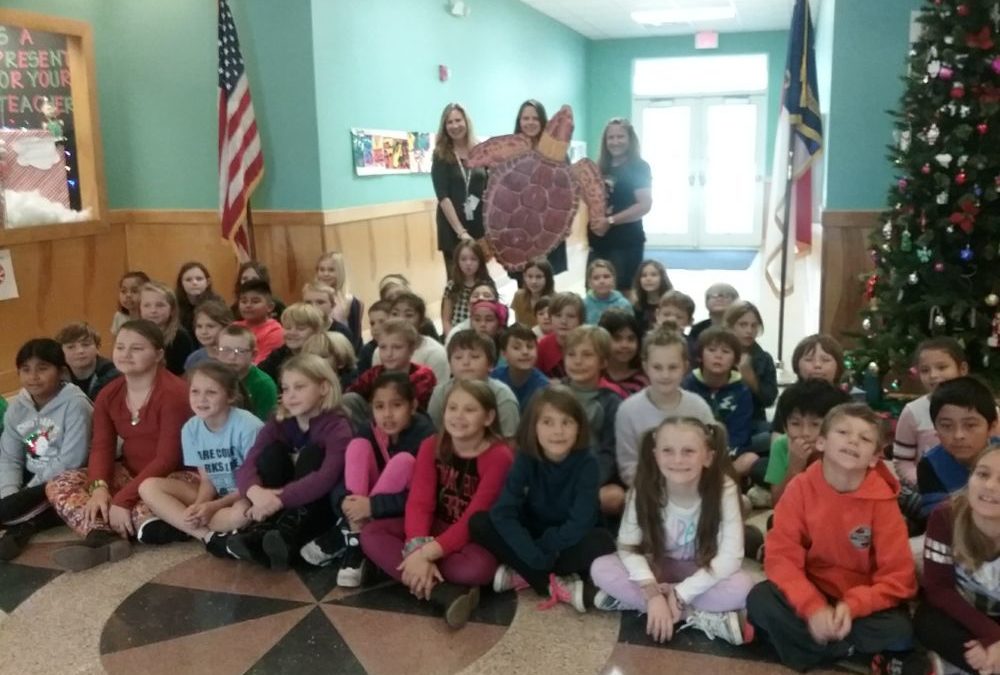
[175, 610]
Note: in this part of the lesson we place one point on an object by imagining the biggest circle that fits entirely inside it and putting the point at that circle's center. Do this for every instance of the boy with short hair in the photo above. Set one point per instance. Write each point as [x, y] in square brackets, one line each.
[965, 418]
[566, 311]
[718, 298]
[429, 352]
[87, 368]
[803, 406]
[588, 349]
[519, 346]
[256, 304]
[677, 307]
[299, 322]
[397, 342]
[471, 357]
[838, 560]
[378, 314]
[719, 383]
[236, 348]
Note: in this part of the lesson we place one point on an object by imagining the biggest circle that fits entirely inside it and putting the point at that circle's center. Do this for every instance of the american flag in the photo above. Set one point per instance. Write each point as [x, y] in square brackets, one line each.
[241, 163]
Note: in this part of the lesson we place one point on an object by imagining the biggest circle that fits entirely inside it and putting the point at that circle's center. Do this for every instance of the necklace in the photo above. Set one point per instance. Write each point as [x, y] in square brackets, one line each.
[135, 413]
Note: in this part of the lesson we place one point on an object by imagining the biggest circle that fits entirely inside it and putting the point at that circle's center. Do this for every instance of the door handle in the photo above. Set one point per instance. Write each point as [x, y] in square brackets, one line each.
[701, 178]
[691, 179]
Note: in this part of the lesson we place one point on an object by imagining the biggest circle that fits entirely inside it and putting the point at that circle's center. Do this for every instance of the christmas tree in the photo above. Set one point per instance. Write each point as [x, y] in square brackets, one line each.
[935, 251]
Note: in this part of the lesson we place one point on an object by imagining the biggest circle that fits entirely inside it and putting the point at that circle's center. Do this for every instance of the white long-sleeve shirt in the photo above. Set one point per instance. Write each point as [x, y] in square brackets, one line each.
[680, 529]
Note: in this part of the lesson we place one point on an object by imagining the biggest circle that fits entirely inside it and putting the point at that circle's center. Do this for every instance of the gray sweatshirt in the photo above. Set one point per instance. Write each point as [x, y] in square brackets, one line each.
[46, 442]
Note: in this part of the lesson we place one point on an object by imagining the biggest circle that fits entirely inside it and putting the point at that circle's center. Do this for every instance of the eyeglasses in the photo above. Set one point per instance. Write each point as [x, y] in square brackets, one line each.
[718, 296]
[235, 351]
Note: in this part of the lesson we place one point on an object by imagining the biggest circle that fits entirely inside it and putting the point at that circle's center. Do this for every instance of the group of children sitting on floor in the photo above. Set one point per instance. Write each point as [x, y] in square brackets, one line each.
[575, 452]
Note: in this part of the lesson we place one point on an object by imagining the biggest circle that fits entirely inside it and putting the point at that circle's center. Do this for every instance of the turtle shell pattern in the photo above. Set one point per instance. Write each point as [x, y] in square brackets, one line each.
[530, 205]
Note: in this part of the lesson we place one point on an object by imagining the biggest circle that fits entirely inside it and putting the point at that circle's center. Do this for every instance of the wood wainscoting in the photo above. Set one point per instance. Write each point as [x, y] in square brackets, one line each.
[845, 258]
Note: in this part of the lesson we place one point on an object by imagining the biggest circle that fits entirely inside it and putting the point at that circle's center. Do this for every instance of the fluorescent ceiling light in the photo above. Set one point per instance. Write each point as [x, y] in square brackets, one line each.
[658, 17]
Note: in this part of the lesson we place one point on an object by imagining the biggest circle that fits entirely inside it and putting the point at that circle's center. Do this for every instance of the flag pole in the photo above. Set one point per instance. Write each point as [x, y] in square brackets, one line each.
[784, 244]
[252, 241]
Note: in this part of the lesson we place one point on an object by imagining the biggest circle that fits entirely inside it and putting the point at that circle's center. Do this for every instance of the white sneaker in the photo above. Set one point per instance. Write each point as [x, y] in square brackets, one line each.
[352, 567]
[568, 589]
[506, 579]
[759, 497]
[607, 603]
[323, 550]
[728, 626]
[351, 577]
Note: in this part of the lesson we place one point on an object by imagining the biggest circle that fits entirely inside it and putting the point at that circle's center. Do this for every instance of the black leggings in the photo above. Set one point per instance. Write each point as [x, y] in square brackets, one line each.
[276, 469]
[21, 502]
[574, 560]
[942, 635]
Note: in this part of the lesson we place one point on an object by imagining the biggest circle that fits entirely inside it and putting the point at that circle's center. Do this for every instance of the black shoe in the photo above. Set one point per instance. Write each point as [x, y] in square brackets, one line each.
[13, 540]
[352, 568]
[456, 602]
[325, 548]
[158, 532]
[248, 545]
[217, 545]
[276, 549]
[901, 663]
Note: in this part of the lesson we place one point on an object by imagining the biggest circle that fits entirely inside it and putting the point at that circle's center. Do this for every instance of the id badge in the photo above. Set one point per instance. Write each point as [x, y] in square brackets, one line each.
[471, 202]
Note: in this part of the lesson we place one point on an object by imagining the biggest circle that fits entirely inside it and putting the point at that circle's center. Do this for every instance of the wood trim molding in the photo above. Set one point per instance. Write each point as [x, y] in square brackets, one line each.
[849, 219]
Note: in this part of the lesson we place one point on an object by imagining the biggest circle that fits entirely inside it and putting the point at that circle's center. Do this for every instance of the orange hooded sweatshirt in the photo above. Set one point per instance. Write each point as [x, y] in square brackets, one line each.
[849, 546]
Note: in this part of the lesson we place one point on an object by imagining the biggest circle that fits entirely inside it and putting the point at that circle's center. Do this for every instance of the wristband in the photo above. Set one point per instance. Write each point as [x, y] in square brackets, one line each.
[95, 485]
[415, 543]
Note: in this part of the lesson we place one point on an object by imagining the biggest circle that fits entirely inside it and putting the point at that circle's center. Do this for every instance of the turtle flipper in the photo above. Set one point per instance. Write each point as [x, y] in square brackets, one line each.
[498, 149]
[588, 177]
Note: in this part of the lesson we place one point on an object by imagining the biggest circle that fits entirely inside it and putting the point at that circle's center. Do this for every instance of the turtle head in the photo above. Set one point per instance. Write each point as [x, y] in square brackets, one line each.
[554, 142]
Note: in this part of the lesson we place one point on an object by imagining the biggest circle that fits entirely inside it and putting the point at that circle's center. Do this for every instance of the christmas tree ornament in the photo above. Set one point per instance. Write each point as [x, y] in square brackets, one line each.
[949, 39]
[904, 141]
[963, 10]
[939, 266]
[996, 65]
[942, 198]
[913, 278]
[944, 159]
[902, 183]
[848, 363]
[887, 230]
[906, 241]
[957, 91]
[872, 368]
[933, 133]
[945, 73]
[866, 324]
[982, 128]
[924, 254]
[874, 255]
[940, 321]
[962, 159]
[925, 169]
[992, 300]
[960, 178]
[981, 39]
[994, 338]
[965, 255]
[966, 217]
[870, 286]
[933, 67]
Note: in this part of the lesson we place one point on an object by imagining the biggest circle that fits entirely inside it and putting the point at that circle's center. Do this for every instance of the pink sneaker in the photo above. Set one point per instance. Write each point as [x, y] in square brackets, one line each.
[506, 579]
[568, 589]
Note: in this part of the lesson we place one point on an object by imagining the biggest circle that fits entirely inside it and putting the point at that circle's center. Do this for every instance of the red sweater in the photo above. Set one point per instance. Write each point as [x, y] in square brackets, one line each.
[421, 377]
[847, 546]
[435, 492]
[151, 448]
[950, 587]
[550, 357]
[269, 336]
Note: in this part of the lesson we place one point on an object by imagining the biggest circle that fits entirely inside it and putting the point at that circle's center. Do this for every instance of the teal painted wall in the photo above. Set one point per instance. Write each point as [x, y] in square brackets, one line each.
[870, 46]
[377, 67]
[609, 73]
[823, 22]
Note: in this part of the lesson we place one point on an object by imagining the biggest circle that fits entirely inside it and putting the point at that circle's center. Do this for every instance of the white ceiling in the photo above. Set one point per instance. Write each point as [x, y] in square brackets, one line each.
[606, 19]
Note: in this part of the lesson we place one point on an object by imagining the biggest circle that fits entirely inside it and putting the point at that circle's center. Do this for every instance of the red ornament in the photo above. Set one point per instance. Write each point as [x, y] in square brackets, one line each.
[958, 91]
[982, 128]
[960, 178]
[925, 169]
[902, 184]
[963, 10]
[966, 218]
[870, 286]
[981, 40]
[939, 267]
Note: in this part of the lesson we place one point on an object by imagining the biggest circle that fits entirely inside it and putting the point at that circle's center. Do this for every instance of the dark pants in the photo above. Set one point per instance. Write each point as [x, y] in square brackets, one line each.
[21, 502]
[277, 469]
[626, 260]
[574, 560]
[941, 634]
[770, 613]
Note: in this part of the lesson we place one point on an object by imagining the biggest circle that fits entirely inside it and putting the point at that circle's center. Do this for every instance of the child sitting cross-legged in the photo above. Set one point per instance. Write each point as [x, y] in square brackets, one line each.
[457, 474]
[377, 469]
[680, 546]
[587, 352]
[471, 356]
[519, 347]
[544, 527]
[965, 417]
[838, 561]
[216, 441]
[957, 618]
[719, 383]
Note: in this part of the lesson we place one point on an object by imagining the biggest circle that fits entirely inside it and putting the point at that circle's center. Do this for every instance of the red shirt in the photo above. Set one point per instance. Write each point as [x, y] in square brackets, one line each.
[421, 377]
[550, 357]
[151, 448]
[451, 492]
[269, 336]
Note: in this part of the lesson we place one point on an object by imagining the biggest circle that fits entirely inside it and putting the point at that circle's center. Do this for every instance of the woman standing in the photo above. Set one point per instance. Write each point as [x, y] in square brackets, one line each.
[619, 237]
[531, 121]
[459, 190]
[146, 409]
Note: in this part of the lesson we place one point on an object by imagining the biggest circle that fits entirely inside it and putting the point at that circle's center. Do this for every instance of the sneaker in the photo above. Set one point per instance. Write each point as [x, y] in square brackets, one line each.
[352, 569]
[506, 579]
[217, 544]
[324, 549]
[942, 667]
[568, 589]
[731, 627]
[608, 603]
[13, 540]
[759, 497]
[901, 663]
[158, 532]
[100, 546]
[246, 545]
[276, 549]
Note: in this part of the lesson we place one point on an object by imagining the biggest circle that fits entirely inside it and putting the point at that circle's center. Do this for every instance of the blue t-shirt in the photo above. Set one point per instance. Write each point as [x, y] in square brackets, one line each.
[221, 452]
[535, 381]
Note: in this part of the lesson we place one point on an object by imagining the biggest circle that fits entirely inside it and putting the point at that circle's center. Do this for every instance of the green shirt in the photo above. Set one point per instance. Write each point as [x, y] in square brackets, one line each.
[3, 410]
[262, 391]
[777, 464]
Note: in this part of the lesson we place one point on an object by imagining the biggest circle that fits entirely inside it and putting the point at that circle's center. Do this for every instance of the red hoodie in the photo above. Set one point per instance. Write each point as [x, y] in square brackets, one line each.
[849, 546]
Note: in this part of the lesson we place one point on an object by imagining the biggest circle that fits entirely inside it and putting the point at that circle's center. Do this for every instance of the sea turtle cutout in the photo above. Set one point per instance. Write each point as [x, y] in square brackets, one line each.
[533, 194]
